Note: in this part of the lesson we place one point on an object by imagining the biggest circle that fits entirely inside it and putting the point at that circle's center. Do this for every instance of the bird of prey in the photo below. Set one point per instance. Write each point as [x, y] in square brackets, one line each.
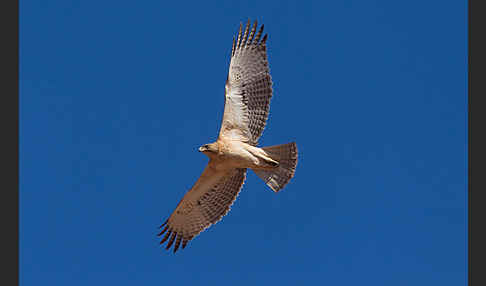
[248, 91]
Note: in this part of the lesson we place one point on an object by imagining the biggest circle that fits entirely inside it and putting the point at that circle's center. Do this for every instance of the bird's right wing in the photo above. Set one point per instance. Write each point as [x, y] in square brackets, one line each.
[205, 204]
[248, 88]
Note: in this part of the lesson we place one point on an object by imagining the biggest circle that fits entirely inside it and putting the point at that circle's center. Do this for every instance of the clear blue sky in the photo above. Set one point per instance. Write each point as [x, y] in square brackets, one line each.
[115, 97]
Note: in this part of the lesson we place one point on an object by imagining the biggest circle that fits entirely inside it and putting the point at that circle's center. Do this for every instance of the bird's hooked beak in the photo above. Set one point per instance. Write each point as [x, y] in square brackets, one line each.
[202, 148]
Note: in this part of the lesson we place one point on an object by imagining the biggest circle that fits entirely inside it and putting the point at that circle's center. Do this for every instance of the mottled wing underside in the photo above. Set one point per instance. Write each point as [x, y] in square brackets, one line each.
[196, 213]
[248, 88]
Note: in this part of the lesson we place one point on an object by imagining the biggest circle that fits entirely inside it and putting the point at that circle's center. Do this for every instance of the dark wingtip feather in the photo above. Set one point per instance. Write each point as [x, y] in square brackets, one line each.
[166, 221]
[165, 228]
[166, 237]
[238, 44]
[245, 35]
[259, 34]
[169, 244]
[252, 33]
[264, 39]
[184, 243]
[177, 243]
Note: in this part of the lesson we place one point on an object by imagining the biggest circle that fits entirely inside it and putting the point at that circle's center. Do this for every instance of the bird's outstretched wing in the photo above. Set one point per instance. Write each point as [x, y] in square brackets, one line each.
[248, 88]
[205, 204]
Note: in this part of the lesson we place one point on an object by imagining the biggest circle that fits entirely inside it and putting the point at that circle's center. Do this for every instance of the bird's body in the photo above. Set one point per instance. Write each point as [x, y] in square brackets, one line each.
[248, 91]
[237, 154]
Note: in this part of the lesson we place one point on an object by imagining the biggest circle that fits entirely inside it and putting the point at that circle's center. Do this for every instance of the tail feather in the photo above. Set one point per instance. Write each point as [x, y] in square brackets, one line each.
[286, 156]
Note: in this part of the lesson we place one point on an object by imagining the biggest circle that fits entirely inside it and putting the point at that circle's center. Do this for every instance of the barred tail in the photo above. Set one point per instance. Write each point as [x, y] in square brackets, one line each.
[286, 156]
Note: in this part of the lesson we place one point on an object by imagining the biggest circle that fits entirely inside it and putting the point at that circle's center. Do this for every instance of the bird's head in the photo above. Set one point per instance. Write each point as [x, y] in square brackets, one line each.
[208, 149]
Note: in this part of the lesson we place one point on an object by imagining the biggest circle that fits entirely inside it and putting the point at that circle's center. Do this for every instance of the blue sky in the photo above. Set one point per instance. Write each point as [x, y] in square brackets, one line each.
[115, 97]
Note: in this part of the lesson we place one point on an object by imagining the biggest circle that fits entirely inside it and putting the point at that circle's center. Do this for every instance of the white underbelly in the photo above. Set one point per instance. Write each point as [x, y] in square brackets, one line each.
[241, 155]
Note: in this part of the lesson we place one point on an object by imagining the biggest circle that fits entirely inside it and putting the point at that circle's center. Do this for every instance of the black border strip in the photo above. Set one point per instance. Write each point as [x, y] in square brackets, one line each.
[468, 267]
[9, 113]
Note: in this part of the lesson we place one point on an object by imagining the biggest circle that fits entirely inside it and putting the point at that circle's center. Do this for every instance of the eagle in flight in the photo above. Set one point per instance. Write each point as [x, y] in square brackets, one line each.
[248, 91]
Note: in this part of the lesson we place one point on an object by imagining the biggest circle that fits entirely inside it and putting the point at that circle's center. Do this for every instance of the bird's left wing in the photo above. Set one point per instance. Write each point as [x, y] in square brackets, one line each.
[248, 88]
[205, 204]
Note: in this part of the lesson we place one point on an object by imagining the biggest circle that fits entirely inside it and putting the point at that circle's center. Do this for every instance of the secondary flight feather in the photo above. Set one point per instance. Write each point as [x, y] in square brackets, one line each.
[248, 91]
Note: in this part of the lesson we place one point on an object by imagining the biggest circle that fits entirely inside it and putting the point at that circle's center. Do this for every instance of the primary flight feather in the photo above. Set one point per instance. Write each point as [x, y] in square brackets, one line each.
[248, 91]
